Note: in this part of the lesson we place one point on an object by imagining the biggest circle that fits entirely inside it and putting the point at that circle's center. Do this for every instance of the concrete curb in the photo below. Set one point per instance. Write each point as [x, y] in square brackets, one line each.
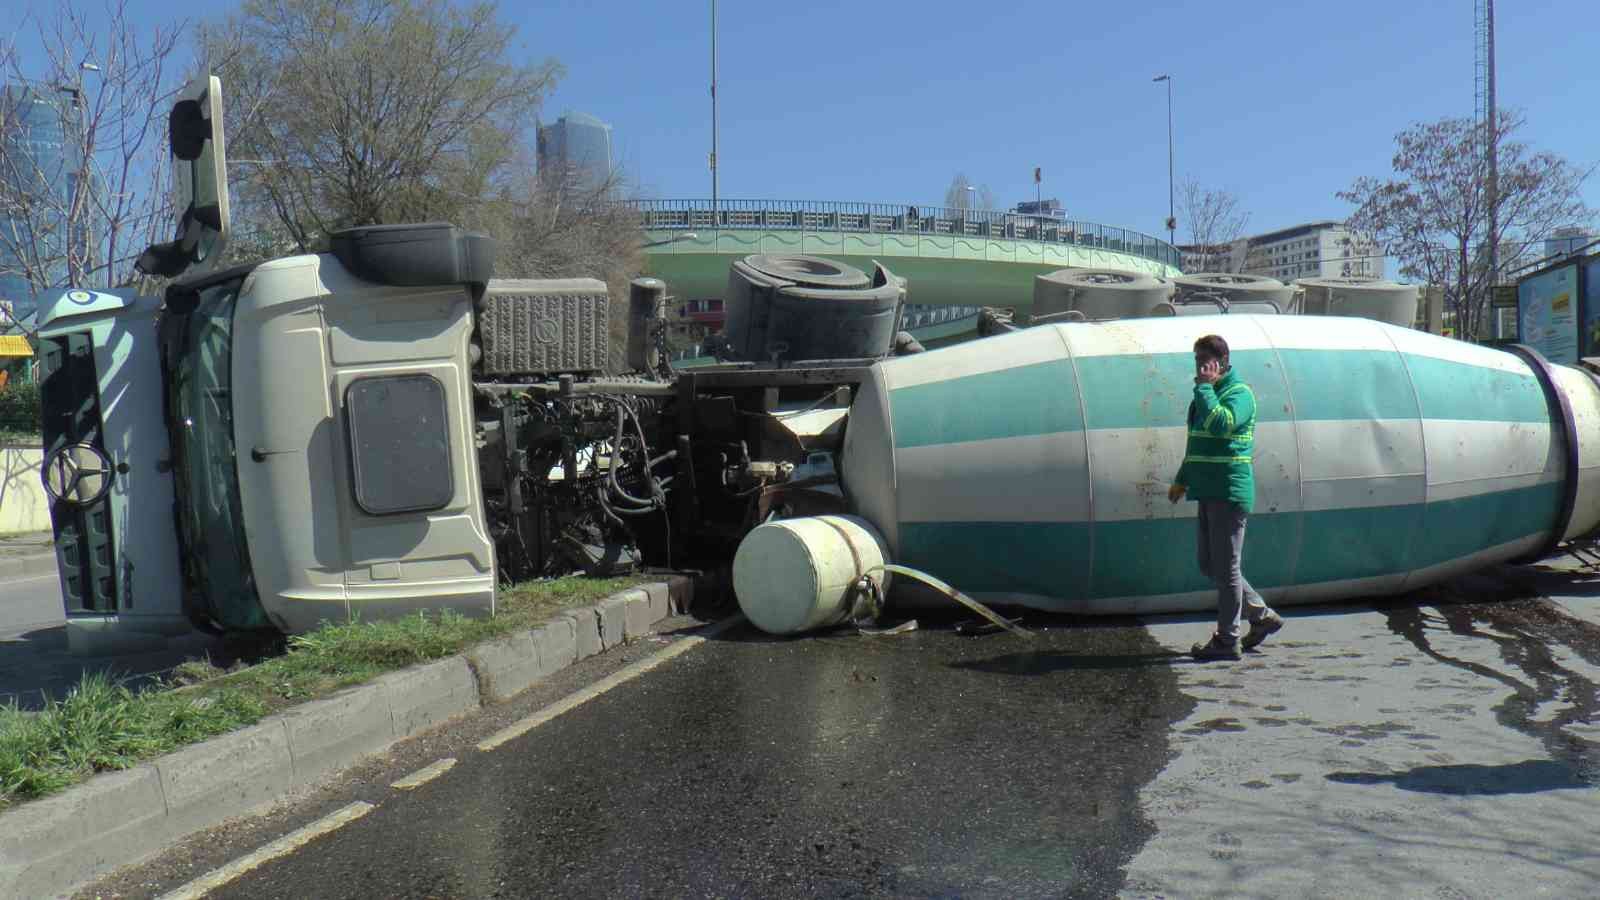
[23, 566]
[54, 846]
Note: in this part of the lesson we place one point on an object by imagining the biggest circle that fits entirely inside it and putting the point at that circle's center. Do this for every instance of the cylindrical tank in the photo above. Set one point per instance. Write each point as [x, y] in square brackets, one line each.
[1244, 293]
[1098, 293]
[1367, 298]
[787, 308]
[645, 298]
[1033, 467]
[795, 575]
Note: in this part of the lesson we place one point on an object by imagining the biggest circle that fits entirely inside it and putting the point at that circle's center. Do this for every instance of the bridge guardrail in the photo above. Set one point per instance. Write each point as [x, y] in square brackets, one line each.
[887, 218]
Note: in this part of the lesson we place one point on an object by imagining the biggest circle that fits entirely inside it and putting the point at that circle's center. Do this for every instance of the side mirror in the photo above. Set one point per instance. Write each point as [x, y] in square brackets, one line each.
[200, 184]
[188, 130]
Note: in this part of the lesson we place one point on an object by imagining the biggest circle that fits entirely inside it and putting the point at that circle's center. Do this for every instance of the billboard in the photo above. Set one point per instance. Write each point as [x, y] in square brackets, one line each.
[1547, 314]
[1591, 304]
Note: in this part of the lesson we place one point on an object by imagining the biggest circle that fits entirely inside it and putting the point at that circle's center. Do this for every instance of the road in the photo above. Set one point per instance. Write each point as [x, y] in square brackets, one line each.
[29, 602]
[36, 663]
[1422, 748]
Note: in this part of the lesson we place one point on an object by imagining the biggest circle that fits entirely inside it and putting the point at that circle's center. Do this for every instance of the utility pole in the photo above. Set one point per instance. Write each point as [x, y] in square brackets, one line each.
[1172, 220]
[715, 223]
[1489, 122]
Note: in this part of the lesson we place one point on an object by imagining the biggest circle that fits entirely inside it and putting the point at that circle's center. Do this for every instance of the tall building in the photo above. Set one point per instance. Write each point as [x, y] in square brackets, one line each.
[1567, 241]
[577, 144]
[1215, 258]
[39, 167]
[1324, 249]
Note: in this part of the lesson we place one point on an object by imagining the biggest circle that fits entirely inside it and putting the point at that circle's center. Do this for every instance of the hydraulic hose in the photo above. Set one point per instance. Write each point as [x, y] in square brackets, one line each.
[953, 594]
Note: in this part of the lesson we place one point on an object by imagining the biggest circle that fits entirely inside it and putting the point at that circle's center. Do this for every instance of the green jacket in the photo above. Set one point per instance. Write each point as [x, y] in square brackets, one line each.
[1222, 431]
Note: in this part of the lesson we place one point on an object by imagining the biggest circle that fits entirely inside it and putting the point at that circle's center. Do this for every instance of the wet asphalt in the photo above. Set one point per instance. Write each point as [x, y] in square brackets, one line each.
[1441, 745]
[927, 764]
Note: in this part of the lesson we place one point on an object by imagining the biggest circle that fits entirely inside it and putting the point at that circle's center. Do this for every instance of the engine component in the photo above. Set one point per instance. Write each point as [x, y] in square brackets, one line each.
[786, 308]
[543, 326]
[646, 296]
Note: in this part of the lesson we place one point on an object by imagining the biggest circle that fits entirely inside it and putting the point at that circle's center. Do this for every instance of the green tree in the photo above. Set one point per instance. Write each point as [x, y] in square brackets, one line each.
[360, 112]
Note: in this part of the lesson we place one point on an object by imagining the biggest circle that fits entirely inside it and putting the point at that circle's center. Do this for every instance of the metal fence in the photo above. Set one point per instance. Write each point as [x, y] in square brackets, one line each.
[888, 218]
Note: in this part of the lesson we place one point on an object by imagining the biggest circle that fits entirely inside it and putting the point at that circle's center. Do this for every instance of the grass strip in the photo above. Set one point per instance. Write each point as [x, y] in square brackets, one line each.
[101, 726]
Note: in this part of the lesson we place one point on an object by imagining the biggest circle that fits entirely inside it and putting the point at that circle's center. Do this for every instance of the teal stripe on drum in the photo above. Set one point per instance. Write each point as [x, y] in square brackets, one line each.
[1453, 390]
[1036, 399]
[1456, 528]
[1154, 390]
[1349, 384]
[1140, 391]
[1046, 558]
[1151, 557]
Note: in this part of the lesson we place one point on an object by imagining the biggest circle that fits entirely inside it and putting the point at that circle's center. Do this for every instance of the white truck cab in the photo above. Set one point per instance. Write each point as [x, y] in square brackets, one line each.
[271, 445]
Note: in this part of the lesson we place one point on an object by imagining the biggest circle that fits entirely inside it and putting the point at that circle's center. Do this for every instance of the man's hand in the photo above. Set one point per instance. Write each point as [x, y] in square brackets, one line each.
[1210, 371]
[1176, 492]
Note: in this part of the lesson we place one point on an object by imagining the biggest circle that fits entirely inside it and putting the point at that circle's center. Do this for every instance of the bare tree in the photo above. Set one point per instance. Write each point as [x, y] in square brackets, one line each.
[84, 180]
[358, 112]
[1433, 214]
[561, 223]
[1215, 222]
[963, 194]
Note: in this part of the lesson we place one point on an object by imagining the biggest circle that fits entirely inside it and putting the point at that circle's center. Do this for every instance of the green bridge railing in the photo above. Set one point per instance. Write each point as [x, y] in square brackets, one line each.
[889, 218]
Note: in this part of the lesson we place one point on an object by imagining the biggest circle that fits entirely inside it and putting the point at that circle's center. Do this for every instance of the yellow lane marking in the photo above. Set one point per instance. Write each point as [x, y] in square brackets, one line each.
[426, 774]
[621, 676]
[283, 846]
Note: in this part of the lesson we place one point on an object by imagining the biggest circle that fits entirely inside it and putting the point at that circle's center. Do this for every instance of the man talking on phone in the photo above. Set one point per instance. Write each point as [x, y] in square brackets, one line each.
[1216, 472]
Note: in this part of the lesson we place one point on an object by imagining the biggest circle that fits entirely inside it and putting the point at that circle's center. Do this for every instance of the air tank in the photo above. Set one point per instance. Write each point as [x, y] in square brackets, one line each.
[1032, 467]
[787, 308]
[1367, 298]
[1098, 293]
[795, 575]
[1243, 293]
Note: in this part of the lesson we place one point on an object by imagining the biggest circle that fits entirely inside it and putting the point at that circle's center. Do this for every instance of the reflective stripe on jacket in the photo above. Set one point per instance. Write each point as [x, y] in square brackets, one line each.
[1222, 431]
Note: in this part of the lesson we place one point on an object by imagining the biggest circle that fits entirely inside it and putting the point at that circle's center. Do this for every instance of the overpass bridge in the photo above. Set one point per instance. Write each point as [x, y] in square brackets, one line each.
[952, 257]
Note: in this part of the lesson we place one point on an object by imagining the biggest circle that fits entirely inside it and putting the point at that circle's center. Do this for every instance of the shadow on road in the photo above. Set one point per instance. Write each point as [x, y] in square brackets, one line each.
[1530, 776]
[36, 665]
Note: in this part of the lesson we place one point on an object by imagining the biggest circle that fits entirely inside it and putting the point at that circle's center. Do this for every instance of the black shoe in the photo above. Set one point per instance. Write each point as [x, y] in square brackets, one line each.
[1269, 624]
[1216, 648]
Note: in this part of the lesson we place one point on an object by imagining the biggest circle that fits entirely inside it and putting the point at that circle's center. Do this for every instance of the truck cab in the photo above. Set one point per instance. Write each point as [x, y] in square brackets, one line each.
[267, 446]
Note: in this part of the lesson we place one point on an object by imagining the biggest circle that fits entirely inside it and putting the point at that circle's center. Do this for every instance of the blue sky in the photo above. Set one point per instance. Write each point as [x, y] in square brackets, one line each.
[885, 100]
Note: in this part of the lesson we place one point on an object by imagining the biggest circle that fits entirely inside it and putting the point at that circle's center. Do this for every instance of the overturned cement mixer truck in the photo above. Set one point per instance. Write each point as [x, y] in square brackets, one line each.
[385, 427]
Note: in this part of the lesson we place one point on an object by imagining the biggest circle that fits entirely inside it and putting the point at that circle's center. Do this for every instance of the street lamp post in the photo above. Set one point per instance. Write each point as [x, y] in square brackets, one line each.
[1172, 221]
[714, 222]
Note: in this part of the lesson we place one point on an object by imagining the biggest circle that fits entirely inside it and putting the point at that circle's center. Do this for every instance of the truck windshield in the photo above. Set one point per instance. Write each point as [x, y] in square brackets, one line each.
[198, 345]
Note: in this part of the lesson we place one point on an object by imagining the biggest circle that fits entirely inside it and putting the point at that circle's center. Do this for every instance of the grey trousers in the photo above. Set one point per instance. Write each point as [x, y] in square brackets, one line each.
[1221, 546]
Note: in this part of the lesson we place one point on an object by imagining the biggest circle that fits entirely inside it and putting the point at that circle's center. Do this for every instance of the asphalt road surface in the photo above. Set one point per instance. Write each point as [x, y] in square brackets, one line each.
[30, 601]
[1437, 747]
[36, 663]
